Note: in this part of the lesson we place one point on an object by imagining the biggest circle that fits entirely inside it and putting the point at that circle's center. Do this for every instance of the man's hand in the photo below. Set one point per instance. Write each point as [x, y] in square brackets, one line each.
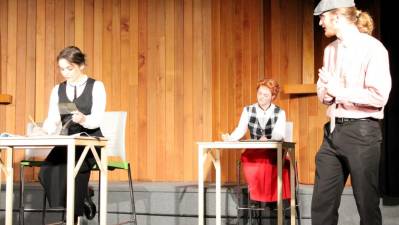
[333, 87]
[331, 82]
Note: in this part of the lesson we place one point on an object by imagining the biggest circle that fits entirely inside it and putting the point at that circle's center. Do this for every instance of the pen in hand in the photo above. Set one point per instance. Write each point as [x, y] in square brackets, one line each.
[32, 121]
[35, 129]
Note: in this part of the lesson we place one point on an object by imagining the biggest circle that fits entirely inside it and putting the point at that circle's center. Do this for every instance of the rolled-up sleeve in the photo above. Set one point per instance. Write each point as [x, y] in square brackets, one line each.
[377, 83]
[94, 119]
[53, 119]
[322, 94]
[242, 127]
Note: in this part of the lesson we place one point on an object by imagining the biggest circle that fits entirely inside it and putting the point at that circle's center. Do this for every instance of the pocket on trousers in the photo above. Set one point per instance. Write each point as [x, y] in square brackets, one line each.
[370, 130]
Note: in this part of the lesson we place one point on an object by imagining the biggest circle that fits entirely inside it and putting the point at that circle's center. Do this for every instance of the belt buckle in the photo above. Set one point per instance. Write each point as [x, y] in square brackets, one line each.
[339, 120]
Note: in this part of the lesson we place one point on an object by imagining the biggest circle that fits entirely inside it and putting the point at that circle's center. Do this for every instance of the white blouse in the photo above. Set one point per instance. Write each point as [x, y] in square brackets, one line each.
[52, 123]
[263, 116]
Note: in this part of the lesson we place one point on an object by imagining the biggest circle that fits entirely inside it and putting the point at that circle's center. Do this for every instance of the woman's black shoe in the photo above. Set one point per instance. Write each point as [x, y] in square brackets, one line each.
[89, 206]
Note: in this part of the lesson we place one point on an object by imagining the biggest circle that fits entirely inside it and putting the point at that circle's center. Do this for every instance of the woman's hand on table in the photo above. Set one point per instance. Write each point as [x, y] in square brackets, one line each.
[37, 131]
[263, 138]
[226, 137]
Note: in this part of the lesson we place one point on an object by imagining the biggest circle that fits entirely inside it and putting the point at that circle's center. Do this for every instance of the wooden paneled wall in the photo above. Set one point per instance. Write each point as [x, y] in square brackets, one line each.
[265, 39]
[154, 58]
[182, 69]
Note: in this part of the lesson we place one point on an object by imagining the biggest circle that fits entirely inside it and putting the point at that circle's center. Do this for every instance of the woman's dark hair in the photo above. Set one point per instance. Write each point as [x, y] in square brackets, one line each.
[73, 55]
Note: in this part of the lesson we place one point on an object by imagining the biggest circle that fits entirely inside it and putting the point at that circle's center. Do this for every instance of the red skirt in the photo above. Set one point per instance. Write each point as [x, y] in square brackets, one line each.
[260, 170]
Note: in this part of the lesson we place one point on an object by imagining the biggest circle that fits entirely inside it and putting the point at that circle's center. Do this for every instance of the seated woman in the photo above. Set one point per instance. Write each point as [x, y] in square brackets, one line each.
[265, 121]
[89, 97]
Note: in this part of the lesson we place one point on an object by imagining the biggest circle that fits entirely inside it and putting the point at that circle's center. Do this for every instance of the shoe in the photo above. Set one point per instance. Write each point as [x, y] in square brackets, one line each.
[63, 222]
[89, 206]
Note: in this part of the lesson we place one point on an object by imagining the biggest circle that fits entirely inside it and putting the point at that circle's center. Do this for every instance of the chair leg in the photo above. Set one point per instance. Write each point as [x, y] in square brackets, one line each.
[250, 216]
[133, 218]
[259, 215]
[22, 202]
[21, 196]
[63, 215]
[132, 203]
[238, 191]
[44, 207]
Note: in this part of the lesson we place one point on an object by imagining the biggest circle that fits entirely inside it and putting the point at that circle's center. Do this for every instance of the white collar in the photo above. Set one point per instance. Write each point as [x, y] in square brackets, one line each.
[261, 110]
[350, 37]
[81, 81]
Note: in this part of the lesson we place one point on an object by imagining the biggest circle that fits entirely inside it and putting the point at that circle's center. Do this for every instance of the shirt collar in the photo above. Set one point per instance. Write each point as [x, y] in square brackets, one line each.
[81, 82]
[259, 109]
[351, 39]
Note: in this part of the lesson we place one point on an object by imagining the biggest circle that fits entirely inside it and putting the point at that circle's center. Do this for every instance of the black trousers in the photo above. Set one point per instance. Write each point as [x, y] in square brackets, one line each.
[53, 174]
[353, 148]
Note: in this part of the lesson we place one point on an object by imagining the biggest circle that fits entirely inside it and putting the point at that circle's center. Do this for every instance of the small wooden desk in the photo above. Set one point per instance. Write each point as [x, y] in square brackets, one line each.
[205, 151]
[12, 143]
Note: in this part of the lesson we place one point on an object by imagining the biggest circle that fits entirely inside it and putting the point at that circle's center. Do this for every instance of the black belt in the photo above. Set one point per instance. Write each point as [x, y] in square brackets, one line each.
[342, 120]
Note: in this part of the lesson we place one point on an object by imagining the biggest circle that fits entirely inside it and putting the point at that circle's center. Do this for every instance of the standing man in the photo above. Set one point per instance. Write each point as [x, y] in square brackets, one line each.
[355, 82]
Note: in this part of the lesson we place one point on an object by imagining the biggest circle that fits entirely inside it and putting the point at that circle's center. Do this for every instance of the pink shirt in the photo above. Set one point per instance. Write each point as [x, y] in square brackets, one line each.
[362, 66]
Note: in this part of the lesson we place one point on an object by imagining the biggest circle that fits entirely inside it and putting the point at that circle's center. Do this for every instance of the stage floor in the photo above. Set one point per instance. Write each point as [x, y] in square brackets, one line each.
[175, 203]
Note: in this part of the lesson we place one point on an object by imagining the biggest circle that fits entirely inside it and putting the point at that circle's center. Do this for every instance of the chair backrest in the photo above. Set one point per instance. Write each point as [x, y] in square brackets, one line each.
[113, 127]
[35, 153]
[289, 130]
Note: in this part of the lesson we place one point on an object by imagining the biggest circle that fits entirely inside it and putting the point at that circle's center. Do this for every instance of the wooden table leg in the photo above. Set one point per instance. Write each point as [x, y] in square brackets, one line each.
[279, 186]
[103, 188]
[70, 184]
[292, 185]
[9, 185]
[200, 186]
[218, 188]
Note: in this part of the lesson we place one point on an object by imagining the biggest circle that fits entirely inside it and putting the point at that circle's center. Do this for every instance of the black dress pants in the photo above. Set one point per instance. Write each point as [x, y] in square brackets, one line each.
[53, 174]
[352, 148]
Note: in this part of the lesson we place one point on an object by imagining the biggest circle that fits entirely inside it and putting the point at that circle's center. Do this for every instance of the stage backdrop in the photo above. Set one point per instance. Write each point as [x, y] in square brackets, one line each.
[182, 69]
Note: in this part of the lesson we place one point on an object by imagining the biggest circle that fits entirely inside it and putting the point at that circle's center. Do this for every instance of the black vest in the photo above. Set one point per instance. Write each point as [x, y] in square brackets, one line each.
[84, 103]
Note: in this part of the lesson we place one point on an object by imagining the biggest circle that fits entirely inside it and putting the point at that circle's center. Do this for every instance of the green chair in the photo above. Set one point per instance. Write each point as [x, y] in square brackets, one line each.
[30, 160]
[113, 128]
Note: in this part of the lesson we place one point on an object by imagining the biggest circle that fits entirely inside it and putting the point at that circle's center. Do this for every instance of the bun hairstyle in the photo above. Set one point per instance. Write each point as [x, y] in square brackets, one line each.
[273, 86]
[361, 19]
[73, 55]
[364, 22]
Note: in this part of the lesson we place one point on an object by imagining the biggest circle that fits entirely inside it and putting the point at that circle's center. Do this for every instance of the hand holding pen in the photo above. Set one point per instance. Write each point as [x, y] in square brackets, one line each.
[35, 129]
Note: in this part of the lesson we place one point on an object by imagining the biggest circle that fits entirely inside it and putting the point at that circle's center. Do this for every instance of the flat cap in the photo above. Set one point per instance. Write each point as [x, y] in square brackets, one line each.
[327, 5]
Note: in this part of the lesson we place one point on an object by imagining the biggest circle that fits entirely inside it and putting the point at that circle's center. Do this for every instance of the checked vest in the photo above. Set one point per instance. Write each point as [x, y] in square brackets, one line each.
[254, 127]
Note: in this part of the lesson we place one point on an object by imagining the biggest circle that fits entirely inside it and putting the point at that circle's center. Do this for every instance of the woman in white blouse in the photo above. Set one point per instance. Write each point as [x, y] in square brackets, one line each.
[265, 121]
[88, 95]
